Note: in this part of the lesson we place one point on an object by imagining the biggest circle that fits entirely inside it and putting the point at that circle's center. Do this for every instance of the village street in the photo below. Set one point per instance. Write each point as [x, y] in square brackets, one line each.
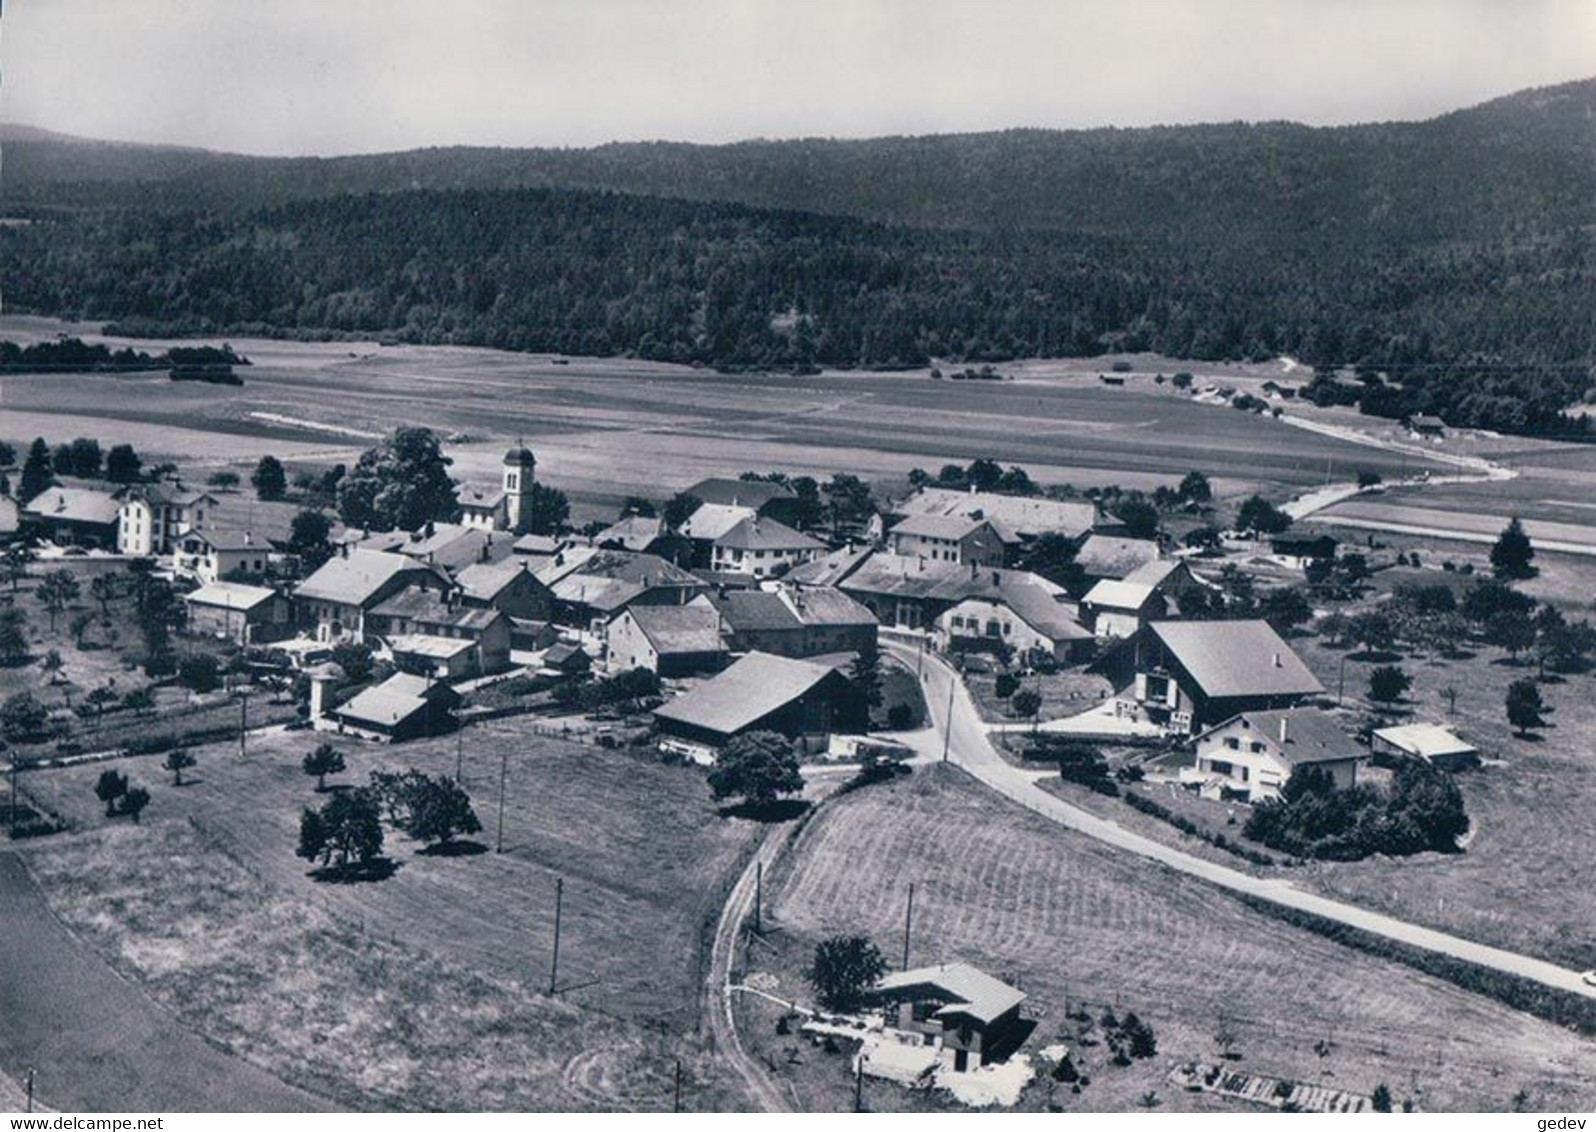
[965, 736]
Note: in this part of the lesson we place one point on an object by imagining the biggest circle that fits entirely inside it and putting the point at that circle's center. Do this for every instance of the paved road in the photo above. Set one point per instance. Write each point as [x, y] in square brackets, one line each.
[98, 1042]
[971, 749]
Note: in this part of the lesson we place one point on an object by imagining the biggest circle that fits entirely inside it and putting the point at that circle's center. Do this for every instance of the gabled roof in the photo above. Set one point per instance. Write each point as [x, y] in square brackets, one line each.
[972, 993]
[766, 534]
[450, 545]
[426, 607]
[359, 577]
[431, 647]
[166, 492]
[227, 538]
[1426, 740]
[635, 532]
[648, 570]
[831, 569]
[485, 581]
[1312, 736]
[1110, 556]
[676, 630]
[1154, 573]
[713, 520]
[745, 693]
[396, 700]
[73, 505]
[230, 595]
[756, 494]
[764, 610]
[1112, 594]
[954, 527]
[1042, 611]
[538, 545]
[481, 498]
[1236, 658]
[909, 576]
[1024, 516]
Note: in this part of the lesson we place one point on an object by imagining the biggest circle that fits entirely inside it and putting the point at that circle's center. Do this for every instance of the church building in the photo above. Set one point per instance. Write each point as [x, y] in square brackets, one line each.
[509, 508]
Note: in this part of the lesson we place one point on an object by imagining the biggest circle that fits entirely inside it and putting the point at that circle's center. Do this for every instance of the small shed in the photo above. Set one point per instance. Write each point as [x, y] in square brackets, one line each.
[1430, 742]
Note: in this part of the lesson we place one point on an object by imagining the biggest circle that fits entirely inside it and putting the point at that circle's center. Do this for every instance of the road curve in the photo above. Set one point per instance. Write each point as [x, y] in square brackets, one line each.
[971, 748]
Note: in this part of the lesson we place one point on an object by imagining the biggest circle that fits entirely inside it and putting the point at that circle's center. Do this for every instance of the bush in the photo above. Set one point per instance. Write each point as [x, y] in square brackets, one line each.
[1422, 811]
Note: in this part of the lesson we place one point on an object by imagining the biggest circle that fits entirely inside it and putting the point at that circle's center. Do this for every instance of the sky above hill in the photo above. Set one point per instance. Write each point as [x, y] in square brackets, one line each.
[307, 76]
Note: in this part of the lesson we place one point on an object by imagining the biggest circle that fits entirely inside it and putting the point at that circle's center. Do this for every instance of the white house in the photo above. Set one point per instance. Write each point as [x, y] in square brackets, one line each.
[962, 539]
[763, 548]
[1250, 756]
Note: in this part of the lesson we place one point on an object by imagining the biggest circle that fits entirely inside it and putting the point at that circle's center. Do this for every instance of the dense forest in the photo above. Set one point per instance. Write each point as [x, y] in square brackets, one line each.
[1453, 256]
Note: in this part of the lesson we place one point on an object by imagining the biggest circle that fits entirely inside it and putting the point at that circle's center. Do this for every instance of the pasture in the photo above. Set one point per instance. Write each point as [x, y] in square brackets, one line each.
[607, 428]
[1068, 920]
[208, 906]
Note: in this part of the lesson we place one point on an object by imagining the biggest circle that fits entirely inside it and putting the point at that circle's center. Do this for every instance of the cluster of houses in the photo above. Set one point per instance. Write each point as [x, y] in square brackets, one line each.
[765, 617]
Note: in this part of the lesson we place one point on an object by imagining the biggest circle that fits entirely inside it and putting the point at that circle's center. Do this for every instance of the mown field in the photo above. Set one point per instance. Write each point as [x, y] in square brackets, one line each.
[1067, 920]
[643, 853]
[605, 428]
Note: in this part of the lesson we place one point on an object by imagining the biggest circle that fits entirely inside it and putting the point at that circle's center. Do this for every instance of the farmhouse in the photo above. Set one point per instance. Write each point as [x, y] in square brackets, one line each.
[1017, 518]
[948, 538]
[403, 706]
[591, 586]
[567, 659]
[763, 548]
[761, 496]
[154, 516]
[333, 601]
[1250, 756]
[430, 633]
[706, 525]
[966, 1014]
[797, 698]
[1115, 610]
[830, 570]
[537, 550]
[1425, 425]
[671, 640]
[912, 593]
[1027, 620]
[450, 545]
[795, 622]
[507, 586]
[1111, 556]
[73, 516]
[646, 535]
[1430, 742]
[211, 554]
[243, 614]
[1193, 674]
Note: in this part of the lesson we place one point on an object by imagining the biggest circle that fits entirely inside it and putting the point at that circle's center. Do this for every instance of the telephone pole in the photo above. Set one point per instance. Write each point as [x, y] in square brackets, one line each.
[243, 721]
[554, 969]
[504, 775]
[858, 1079]
[947, 736]
[459, 757]
[908, 925]
[759, 898]
[676, 1102]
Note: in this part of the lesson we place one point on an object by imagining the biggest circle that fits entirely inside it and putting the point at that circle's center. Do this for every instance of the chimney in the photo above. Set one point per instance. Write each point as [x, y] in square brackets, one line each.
[996, 578]
[345, 549]
[1285, 729]
[249, 538]
[1278, 663]
[974, 566]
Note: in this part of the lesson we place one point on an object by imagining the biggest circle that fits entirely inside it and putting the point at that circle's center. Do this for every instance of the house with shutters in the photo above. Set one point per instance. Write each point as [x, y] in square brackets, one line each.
[794, 622]
[960, 539]
[72, 516]
[244, 614]
[762, 548]
[509, 586]
[1250, 756]
[438, 634]
[153, 517]
[213, 553]
[333, 603]
[670, 640]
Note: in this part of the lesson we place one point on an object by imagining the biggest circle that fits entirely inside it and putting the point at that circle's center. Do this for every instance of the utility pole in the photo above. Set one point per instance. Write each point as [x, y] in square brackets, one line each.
[858, 1080]
[459, 757]
[1341, 680]
[559, 901]
[676, 1102]
[908, 925]
[504, 775]
[13, 821]
[243, 721]
[759, 897]
[30, 1088]
[947, 736]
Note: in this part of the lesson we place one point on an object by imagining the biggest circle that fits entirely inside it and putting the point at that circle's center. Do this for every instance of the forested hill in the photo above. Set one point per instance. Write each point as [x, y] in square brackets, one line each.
[1456, 255]
[1518, 167]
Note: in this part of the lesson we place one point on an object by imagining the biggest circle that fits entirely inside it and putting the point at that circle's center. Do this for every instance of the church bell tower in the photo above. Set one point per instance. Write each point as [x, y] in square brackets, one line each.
[520, 473]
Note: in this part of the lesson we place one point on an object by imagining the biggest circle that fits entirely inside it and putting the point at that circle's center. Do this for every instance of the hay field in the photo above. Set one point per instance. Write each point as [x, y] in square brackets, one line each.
[1066, 919]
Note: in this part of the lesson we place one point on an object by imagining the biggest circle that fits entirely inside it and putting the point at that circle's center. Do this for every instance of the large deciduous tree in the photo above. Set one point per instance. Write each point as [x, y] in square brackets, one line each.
[844, 969]
[758, 767]
[402, 483]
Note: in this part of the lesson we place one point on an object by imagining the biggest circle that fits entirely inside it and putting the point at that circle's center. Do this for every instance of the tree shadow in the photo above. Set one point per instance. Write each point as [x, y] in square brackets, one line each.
[1529, 737]
[1375, 656]
[465, 848]
[355, 872]
[1510, 662]
[188, 781]
[768, 813]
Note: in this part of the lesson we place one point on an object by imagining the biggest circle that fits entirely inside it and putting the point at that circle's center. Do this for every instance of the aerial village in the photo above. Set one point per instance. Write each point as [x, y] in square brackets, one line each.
[780, 637]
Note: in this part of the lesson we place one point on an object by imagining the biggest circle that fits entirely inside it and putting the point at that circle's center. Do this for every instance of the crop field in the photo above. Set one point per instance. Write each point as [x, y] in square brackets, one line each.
[642, 851]
[1520, 884]
[606, 428]
[1067, 920]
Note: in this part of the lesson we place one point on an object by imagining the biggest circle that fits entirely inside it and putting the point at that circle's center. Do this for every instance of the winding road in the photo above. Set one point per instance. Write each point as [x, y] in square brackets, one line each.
[970, 747]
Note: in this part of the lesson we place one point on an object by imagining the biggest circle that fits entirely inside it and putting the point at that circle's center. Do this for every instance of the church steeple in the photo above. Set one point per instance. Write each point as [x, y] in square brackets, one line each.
[520, 473]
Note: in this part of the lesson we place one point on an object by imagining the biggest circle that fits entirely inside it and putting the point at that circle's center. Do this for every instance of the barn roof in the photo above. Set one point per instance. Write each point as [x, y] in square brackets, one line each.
[973, 992]
[1236, 658]
[745, 693]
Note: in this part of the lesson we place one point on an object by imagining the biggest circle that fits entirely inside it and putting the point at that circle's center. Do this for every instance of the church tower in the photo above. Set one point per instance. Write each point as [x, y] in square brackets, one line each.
[520, 473]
